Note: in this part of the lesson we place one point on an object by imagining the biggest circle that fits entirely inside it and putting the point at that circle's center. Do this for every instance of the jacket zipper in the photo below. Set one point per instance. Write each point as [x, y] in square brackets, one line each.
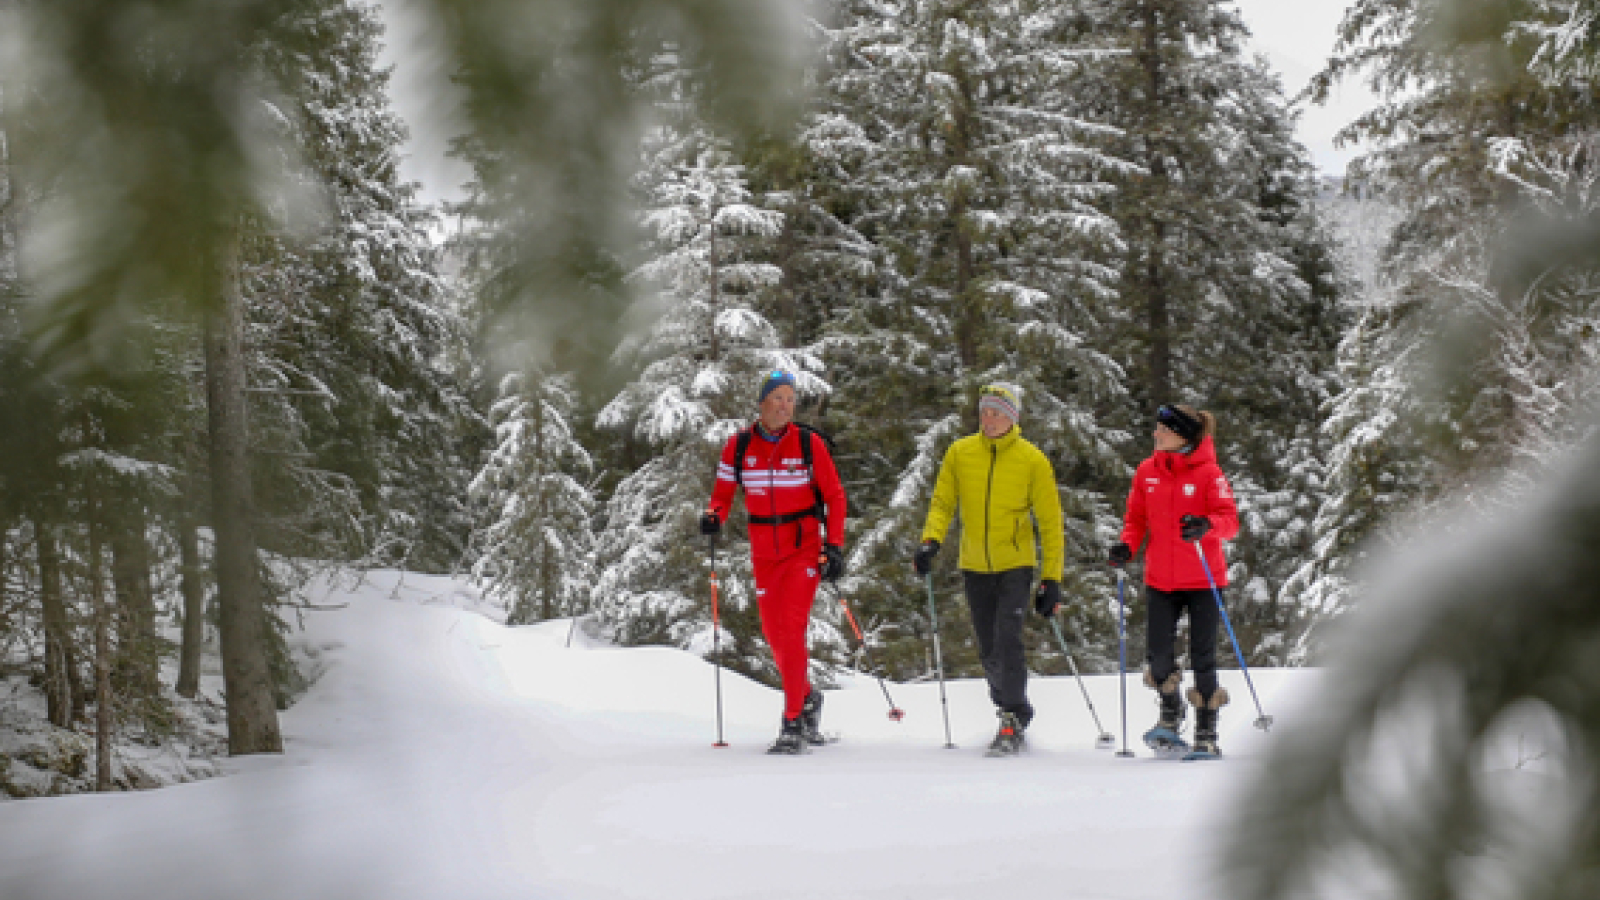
[772, 494]
[988, 500]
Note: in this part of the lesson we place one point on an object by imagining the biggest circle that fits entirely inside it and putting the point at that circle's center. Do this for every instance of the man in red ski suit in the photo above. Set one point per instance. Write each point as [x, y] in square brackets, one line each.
[796, 514]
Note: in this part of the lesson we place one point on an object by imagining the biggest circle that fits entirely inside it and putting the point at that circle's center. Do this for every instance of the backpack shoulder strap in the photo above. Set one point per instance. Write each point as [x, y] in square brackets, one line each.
[740, 448]
[807, 433]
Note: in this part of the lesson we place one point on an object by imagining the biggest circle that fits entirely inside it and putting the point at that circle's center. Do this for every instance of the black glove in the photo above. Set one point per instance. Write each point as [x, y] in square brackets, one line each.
[832, 562]
[1121, 554]
[1192, 528]
[1047, 598]
[924, 559]
[710, 524]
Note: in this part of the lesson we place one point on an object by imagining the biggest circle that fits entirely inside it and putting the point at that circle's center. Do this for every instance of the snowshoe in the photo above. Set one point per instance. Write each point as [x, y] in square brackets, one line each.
[1008, 738]
[1167, 743]
[811, 720]
[791, 738]
[1164, 738]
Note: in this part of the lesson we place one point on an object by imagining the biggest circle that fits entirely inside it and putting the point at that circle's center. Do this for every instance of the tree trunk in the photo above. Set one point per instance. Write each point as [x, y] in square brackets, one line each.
[62, 688]
[969, 316]
[138, 656]
[8, 212]
[103, 711]
[252, 713]
[194, 608]
[1159, 318]
[1160, 324]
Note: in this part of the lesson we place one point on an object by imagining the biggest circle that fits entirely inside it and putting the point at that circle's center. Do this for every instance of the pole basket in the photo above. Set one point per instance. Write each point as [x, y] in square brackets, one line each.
[897, 714]
[1264, 723]
[1105, 742]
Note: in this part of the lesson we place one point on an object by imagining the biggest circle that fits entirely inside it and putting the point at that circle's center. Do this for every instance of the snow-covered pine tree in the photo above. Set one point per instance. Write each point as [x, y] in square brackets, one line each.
[965, 155]
[1226, 297]
[1467, 344]
[357, 327]
[697, 364]
[1440, 661]
[534, 550]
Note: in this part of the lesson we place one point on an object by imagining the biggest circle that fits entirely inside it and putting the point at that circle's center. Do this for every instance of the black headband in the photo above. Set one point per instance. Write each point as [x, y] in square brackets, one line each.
[1180, 423]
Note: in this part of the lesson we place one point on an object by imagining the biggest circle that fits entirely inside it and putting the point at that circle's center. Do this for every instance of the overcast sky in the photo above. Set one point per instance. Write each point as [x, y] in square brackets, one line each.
[1296, 36]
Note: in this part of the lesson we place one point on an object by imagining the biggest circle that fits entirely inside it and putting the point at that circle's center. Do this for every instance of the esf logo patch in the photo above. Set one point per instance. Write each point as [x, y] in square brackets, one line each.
[1188, 490]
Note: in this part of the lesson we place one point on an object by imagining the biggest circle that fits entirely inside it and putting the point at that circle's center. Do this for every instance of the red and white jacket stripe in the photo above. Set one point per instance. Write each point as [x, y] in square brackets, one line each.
[777, 484]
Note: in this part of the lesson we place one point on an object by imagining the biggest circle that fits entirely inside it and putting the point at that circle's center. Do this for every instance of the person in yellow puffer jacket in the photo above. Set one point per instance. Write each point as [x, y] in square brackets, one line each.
[1002, 486]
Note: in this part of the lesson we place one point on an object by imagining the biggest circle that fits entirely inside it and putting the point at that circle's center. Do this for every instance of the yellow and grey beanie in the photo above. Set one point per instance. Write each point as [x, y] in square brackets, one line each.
[1003, 398]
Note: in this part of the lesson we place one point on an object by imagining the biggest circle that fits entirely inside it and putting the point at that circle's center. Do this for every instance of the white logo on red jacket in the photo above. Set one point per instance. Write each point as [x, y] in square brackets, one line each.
[1188, 490]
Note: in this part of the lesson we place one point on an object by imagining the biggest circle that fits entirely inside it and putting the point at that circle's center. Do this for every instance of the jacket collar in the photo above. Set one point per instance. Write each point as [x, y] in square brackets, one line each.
[1203, 453]
[760, 431]
[1003, 442]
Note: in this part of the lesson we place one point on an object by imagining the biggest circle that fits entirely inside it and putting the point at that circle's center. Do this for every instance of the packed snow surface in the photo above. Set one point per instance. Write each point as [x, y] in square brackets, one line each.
[443, 755]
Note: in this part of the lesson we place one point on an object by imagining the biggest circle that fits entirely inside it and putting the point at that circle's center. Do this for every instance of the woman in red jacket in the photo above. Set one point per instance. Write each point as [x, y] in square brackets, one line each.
[1180, 496]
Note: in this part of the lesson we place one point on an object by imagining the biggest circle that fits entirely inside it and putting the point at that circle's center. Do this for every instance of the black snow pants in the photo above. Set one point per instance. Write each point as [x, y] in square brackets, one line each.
[1164, 608]
[998, 602]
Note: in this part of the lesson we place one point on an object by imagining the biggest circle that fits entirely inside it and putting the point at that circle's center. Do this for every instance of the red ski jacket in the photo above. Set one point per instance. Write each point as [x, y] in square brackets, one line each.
[780, 495]
[1166, 487]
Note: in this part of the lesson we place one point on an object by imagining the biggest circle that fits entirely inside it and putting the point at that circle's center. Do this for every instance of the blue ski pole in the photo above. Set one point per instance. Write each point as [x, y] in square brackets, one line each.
[1263, 721]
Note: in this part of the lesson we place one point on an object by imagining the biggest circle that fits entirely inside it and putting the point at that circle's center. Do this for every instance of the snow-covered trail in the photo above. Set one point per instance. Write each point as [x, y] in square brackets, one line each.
[445, 756]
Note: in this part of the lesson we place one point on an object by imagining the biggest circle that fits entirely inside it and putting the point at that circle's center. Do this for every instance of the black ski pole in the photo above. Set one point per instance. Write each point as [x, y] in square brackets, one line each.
[1122, 661]
[716, 640]
[1263, 721]
[938, 663]
[895, 712]
[1105, 741]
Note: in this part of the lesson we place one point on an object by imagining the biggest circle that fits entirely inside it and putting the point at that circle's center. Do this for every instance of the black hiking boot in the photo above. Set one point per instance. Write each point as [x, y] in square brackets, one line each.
[1206, 711]
[811, 719]
[1008, 738]
[1171, 717]
[1205, 732]
[791, 738]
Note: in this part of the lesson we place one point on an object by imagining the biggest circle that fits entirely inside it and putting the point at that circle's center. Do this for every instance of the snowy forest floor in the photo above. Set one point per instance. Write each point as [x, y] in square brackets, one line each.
[443, 755]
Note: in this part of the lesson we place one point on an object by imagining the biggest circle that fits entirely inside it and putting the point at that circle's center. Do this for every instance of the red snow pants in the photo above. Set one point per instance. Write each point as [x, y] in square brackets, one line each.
[785, 591]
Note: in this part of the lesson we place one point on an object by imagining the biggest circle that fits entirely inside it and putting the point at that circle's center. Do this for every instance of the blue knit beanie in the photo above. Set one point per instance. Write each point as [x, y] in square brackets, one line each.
[775, 379]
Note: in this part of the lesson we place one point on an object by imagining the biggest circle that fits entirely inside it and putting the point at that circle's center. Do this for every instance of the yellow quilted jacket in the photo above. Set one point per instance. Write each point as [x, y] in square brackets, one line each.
[996, 484]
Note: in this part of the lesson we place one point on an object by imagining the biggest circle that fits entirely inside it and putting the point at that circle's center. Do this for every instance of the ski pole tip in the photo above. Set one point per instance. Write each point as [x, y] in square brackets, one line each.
[897, 714]
[1264, 723]
[720, 745]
